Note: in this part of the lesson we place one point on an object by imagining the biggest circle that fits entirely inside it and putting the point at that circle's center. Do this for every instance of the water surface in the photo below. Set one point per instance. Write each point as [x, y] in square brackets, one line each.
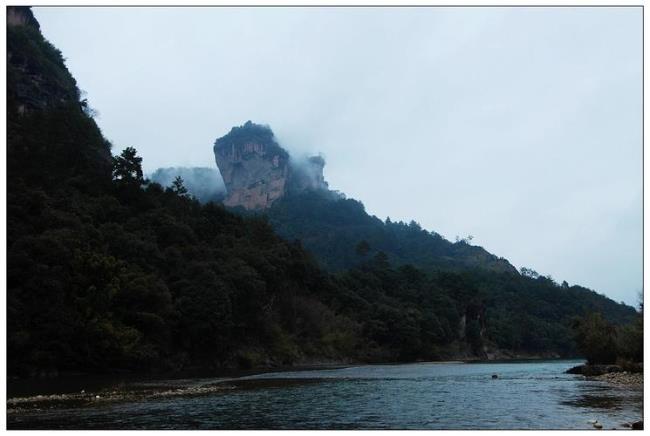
[531, 395]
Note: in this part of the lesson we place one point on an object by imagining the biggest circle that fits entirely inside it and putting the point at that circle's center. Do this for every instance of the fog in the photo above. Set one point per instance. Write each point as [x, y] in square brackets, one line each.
[205, 184]
[519, 126]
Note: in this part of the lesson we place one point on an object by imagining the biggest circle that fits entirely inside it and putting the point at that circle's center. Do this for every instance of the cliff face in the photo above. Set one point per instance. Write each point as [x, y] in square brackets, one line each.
[257, 171]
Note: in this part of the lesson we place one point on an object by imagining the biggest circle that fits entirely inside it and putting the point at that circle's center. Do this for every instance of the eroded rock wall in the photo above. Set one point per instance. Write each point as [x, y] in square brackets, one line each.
[257, 171]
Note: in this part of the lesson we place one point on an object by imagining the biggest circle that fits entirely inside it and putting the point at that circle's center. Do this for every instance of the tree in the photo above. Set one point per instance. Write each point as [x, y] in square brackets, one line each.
[529, 272]
[630, 337]
[465, 240]
[178, 187]
[595, 338]
[630, 340]
[127, 168]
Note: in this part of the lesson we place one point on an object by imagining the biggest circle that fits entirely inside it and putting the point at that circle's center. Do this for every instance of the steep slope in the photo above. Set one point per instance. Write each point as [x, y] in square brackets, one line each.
[50, 135]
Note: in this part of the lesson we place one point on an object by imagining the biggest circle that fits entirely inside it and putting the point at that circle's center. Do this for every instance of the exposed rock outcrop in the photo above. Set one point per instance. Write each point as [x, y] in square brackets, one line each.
[21, 16]
[257, 170]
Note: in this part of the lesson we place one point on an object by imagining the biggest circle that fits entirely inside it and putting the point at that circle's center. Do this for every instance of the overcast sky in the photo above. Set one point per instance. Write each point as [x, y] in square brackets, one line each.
[519, 126]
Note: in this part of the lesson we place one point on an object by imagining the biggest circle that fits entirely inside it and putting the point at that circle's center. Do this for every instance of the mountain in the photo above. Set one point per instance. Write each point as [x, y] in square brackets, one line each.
[107, 271]
[511, 311]
[205, 184]
[261, 177]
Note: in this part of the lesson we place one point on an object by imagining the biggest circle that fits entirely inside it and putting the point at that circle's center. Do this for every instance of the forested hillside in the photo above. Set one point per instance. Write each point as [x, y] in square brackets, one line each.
[341, 234]
[108, 271]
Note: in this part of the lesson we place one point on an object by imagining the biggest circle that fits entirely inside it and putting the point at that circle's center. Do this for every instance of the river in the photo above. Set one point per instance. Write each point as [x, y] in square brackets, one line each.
[526, 395]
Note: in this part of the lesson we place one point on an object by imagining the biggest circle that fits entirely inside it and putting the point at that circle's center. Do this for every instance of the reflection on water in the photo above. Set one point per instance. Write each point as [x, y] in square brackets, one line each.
[418, 396]
[597, 402]
[607, 398]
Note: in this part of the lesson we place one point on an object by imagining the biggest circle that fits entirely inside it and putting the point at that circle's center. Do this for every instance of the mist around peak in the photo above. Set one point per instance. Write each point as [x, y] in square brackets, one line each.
[203, 183]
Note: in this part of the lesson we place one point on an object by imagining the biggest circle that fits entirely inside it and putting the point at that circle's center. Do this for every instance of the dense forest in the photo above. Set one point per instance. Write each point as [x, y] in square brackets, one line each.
[107, 270]
[338, 229]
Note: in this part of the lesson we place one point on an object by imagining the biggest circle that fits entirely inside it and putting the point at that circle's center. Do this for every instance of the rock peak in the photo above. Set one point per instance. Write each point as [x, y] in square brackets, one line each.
[257, 170]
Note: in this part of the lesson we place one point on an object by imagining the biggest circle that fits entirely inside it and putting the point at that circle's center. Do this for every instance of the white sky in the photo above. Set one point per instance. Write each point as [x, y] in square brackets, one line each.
[519, 126]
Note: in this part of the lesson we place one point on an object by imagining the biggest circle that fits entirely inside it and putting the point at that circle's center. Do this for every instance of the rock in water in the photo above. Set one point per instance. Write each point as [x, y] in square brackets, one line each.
[637, 425]
[598, 425]
[494, 376]
[575, 370]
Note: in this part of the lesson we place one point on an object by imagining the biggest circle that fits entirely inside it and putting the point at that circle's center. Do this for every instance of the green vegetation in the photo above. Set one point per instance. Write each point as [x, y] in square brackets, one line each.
[332, 227]
[251, 133]
[602, 342]
[106, 270]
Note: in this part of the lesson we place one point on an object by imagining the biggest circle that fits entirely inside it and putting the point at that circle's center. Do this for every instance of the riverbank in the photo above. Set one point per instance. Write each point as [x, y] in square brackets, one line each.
[614, 374]
[118, 393]
[621, 378]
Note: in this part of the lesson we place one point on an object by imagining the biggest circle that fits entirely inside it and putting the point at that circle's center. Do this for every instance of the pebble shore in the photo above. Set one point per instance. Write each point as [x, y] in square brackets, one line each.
[621, 378]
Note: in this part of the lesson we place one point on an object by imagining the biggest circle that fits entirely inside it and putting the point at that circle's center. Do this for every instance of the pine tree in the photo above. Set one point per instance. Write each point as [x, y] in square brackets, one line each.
[127, 168]
[178, 187]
